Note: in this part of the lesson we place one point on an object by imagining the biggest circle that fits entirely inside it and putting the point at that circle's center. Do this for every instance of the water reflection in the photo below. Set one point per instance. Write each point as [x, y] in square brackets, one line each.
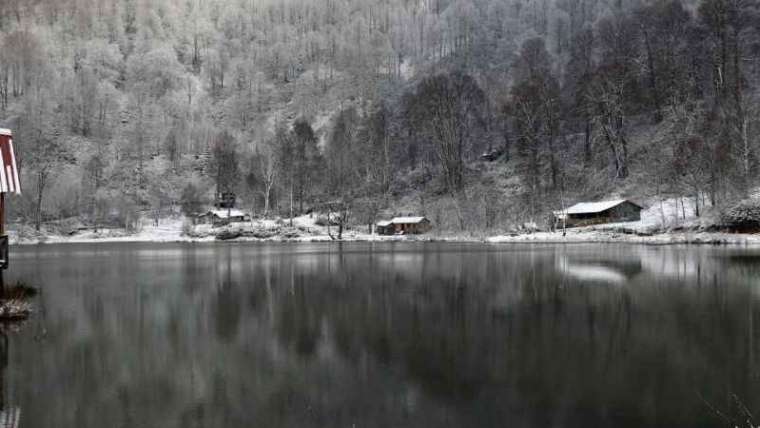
[385, 335]
[10, 414]
[614, 271]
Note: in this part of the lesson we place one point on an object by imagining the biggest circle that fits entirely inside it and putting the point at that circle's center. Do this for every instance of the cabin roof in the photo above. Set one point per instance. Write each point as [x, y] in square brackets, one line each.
[595, 207]
[408, 220]
[401, 220]
[7, 132]
[224, 213]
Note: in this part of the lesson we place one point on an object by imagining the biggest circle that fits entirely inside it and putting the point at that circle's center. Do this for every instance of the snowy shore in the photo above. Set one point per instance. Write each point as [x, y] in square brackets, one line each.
[661, 224]
[532, 238]
[594, 236]
[173, 231]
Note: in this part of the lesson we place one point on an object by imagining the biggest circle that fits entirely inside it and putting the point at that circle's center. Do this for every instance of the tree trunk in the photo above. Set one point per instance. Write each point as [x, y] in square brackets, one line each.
[267, 192]
[746, 153]
[300, 196]
[291, 203]
[41, 178]
[587, 143]
[328, 223]
[652, 78]
[552, 162]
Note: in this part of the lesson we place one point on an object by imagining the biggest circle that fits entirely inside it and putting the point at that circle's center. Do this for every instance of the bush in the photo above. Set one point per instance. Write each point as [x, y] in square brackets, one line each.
[743, 217]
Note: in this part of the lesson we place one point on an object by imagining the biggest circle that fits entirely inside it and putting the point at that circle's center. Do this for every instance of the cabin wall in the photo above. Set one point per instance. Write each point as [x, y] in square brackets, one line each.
[413, 228]
[626, 212]
[409, 228]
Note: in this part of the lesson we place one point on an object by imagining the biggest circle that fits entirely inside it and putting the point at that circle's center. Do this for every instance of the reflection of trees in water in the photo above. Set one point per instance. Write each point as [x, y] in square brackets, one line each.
[227, 302]
[9, 413]
[554, 349]
[391, 338]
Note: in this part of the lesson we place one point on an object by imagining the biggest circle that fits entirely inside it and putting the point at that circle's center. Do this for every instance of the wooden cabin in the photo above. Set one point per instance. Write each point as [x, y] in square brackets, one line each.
[591, 213]
[404, 226]
[222, 217]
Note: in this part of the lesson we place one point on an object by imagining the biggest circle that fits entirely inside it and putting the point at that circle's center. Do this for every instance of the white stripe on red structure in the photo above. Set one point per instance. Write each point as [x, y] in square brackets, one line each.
[3, 178]
[15, 167]
[9, 173]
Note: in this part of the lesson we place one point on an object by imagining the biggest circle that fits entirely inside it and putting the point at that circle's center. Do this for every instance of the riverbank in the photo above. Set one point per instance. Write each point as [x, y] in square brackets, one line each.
[305, 229]
[595, 236]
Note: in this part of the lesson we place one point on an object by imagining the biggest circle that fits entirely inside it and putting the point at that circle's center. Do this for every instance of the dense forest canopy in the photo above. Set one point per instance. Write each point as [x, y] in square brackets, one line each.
[122, 107]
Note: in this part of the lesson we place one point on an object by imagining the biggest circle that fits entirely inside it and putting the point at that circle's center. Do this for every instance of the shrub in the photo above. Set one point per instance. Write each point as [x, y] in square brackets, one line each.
[743, 217]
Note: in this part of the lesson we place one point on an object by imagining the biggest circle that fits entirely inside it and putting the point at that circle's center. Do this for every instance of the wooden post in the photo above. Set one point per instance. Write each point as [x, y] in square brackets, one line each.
[2, 214]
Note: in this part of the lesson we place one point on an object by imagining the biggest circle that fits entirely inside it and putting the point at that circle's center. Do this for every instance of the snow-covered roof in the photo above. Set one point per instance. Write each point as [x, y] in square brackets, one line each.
[223, 213]
[594, 207]
[7, 132]
[401, 220]
[407, 220]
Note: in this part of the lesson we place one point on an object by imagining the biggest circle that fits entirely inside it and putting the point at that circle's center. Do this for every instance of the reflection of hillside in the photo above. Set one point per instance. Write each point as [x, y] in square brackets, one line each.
[383, 335]
[578, 347]
[675, 263]
[618, 264]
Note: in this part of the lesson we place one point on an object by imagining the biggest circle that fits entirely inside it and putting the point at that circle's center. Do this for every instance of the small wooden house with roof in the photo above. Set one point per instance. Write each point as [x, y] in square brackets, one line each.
[590, 213]
[221, 217]
[404, 226]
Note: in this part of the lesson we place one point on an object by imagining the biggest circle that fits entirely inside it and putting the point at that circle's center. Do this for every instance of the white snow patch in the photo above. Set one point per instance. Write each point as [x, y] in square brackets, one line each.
[407, 70]
[224, 213]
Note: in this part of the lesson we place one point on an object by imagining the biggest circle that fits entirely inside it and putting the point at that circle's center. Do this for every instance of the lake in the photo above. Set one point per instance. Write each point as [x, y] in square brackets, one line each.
[384, 335]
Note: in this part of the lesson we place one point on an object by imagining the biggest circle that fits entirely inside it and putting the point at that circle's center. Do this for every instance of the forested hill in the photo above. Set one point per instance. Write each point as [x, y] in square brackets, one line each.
[119, 107]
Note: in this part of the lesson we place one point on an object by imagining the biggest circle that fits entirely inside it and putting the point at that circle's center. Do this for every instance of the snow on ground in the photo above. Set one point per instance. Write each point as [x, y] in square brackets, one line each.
[168, 230]
[656, 216]
[304, 229]
[407, 70]
[657, 224]
[669, 213]
[649, 230]
[597, 236]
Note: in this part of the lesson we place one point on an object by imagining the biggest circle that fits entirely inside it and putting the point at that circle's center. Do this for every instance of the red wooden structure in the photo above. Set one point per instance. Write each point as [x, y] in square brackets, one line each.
[9, 183]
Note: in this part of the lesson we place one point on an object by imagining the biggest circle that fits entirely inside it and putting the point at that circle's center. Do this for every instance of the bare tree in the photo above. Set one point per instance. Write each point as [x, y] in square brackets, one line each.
[450, 109]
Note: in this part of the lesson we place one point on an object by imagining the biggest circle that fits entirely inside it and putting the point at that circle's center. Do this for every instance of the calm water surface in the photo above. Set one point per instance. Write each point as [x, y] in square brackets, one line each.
[384, 335]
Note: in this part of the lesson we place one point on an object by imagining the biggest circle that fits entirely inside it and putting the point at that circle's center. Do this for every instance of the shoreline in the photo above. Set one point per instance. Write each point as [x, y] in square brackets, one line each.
[555, 238]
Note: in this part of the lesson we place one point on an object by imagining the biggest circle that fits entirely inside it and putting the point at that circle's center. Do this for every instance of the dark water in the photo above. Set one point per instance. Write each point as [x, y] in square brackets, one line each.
[385, 335]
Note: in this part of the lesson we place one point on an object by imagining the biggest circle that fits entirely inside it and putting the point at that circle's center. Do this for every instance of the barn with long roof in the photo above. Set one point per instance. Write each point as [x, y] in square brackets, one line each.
[590, 213]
